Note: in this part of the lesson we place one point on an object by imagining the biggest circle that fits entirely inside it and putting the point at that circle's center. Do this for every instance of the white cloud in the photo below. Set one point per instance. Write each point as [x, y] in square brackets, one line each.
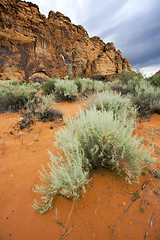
[149, 70]
[75, 10]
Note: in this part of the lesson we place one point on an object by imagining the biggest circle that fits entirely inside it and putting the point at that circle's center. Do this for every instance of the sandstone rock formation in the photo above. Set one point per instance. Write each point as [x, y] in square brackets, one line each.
[35, 47]
[157, 73]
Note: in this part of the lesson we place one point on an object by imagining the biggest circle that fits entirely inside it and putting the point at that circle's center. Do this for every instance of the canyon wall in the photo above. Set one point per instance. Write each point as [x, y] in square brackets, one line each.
[34, 47]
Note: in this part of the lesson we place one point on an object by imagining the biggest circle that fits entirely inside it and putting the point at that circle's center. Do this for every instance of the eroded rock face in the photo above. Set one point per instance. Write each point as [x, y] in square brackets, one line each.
[33, 46]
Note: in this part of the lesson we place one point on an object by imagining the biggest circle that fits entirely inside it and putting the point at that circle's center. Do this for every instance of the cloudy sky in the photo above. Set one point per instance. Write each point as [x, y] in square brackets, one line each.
[133, 26]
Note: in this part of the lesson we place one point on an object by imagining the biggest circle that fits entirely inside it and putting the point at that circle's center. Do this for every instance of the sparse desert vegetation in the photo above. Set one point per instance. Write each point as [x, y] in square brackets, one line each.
[101, 137]
[79, 129]
[144, 96]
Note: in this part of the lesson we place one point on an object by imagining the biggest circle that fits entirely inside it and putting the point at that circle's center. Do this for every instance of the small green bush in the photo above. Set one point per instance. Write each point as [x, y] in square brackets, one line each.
[14, 96]
[154, 80]
[147, 99]
[9, 83]
[66, 177]
[104, 140]
[94, 139]
[84, 85]
[66, 90]
[99, 86]
[42, 109]
[88, 86]
[49, 86]
[35, 85]
[120, 106]
[143, 95]
[127, 76]
[125, 88]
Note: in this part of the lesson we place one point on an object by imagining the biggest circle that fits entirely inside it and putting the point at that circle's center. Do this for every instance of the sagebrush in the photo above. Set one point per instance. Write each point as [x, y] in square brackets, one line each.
[121, 106]
[14, 96]
[66, 89]
[42, 109]
[144, 96]
[94, 139]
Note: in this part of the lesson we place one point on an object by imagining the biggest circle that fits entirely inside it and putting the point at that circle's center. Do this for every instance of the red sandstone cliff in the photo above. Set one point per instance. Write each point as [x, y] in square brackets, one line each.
[32, 45]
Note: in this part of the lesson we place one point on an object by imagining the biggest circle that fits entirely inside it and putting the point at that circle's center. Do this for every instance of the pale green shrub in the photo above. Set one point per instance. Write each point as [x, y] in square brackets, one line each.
[85, 85]
[66, 177]
[127, 76]
[94, 139]
[104, 140]
[66, 89]
[45, 104]
[143, 95]
[14, 96]
[120, 106]
[9, 82]
[99, 86]
[35, 85]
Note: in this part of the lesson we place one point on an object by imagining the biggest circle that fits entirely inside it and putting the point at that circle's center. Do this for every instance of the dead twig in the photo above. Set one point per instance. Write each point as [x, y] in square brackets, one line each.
[131, 204]
[137, 195]
[64, 235]
[150, 220]
[145, 183]
[59, 223]
[65, 227]
[69, 216]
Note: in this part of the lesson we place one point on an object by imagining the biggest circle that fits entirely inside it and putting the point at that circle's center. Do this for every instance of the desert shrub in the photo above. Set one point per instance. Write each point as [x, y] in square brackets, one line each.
[120, 106]
[147, 99]
[115, 86]
[49, 86]
[66, 177]
[127, 82]
[10, 82]
[154, 80]
[99, 86]
[35, 85]
[94, 139]
[87, 86]
[84, 85]
[70, 89]
[42, 109]
[104, 140]
[127, 76]
[125, 88]
[66, 90]
[143, 95]
[14, 96]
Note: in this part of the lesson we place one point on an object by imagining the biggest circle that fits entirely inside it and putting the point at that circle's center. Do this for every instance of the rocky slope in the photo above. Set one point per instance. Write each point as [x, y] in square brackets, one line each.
[157, 73]
[33, 46]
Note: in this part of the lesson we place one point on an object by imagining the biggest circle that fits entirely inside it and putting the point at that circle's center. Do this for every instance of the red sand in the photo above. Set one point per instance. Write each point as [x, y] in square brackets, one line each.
[100, 214]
